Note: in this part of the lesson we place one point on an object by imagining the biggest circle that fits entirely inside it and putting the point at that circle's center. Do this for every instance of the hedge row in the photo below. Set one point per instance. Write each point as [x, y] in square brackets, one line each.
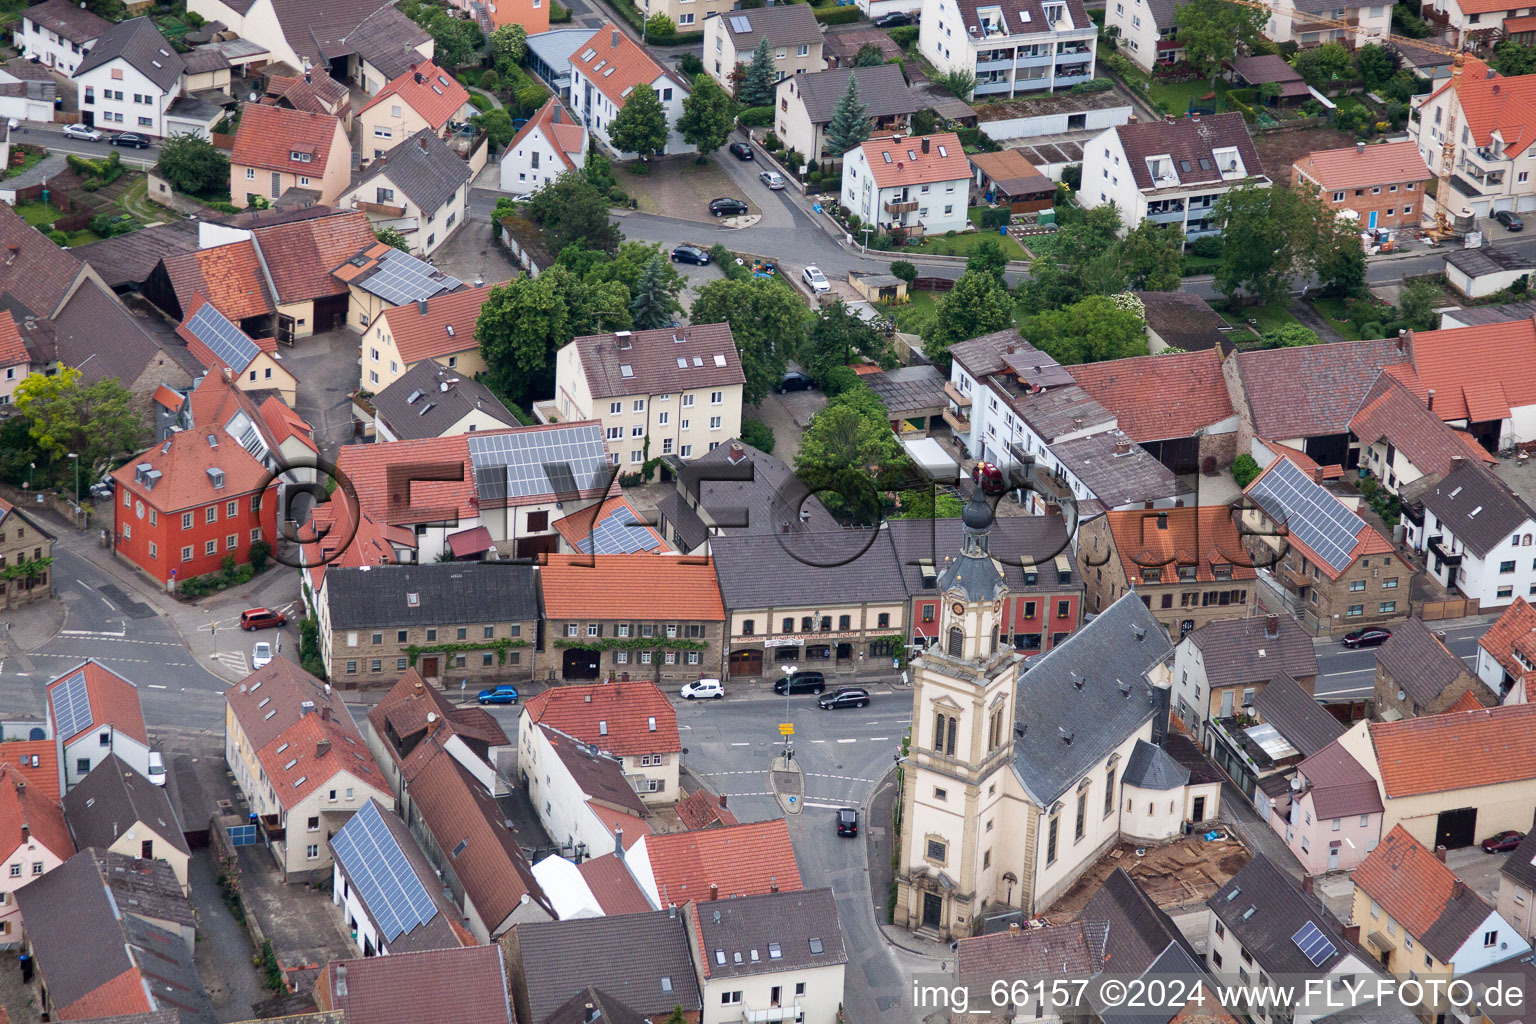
[838, 15]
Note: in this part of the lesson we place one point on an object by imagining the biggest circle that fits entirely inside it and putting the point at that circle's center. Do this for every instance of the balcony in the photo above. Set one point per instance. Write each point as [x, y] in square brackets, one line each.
[899, 209]
[958, 421]
[770, 1013]
[957, 396]
[1064, 48]
[1444, 555]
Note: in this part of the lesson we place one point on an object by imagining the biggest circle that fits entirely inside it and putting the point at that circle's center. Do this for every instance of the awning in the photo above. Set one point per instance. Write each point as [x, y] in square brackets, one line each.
[470, 542]
[1381, 942]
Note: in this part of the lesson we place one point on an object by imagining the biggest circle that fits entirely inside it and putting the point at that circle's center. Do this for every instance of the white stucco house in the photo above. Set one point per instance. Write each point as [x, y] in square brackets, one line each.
[129, 80]
[1477, 536]
[916, 185]
[1011, 46]
[551, 143]
[606, 70]
[57, 33]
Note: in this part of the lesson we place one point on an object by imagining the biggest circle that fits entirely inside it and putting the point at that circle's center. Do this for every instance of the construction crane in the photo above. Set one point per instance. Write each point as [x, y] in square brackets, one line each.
[1458, 55]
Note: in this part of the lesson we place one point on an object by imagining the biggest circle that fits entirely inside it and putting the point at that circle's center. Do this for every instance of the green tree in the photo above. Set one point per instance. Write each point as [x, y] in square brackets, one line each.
[846, 445]
[1319, 66]
[1416, 302]
[837, 334]
[1293, 335]
[573, 212]
[1089, 331]
[848, 126]
[193, 165]
[593, 305]
[652, 305]
[988, 256]
[904, 270]
[759, 435]
[392, 237]
[457, 40]
[509, 43]
[869, 56]
[497, 125]
[659, 29]
[1511, 58]
[1153, 257]
[1376, 65]
[1269, 237]
[640, 126]
[757, 85]
[925, 122]
[521, 325]
[708, 116]
[1340, 258]
[1245, 468]
[1212, 31]
[767, 320]
[96, 421]
[960, 82]
[930, 503]
[978, 304]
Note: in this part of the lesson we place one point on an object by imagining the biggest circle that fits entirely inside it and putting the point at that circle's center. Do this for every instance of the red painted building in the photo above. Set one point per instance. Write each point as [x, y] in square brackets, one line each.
[189, 501]
[1044, 605]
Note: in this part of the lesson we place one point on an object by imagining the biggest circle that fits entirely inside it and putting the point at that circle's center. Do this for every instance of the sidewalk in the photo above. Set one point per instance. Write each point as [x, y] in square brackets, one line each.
[878, 839]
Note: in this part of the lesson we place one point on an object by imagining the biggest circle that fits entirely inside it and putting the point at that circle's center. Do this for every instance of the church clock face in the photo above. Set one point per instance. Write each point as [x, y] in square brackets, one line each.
[958, 608]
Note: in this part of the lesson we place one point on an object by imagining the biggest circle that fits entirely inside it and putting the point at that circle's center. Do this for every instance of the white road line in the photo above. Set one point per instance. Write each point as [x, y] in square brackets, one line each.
[1351, 672]
[1352, 689]
[741, 744]
[158, 686]
[818, 741]
[879, 739]
[848, 741]
[830, 807]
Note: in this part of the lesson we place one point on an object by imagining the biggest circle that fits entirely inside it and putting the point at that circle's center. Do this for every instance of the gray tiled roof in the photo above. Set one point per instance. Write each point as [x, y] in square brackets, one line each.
[760, 571]
[129, 259]
[1492, 314]
[434, 410]
[1185, 320]
[147, 888]
[642, 959]
[1340, 786]
[769, 933]
[660, 362]
[908, 390]
[111, 798]
[1230, 649]
[449, 593]
[782, 25]
[1191, 144]
[436, 932]
[1175, 961]
[598, 775]
[422, 167]
[1296, 716]
[1313, 389]
[1117, 479]
[1074, 950]
[1280, 909]
[139, 43]
[1520, 866]
[1013, 540]
[1068, 728]
[1476, 507]
[1488, 260]
[69, 20]
[594, 1006]
[883, 90]
[1418, 662]
[757, 492]
[1139, 930]
[1150, 767]
[91, 314]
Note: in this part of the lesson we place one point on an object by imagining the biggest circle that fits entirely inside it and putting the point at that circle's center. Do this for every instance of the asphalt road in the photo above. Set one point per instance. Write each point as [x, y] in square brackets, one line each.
[38, 133]
[1345, 673]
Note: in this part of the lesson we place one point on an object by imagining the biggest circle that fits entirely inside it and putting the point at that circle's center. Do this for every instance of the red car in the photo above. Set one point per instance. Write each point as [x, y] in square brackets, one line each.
[989, 478]
[261, 618]
[1503, 842]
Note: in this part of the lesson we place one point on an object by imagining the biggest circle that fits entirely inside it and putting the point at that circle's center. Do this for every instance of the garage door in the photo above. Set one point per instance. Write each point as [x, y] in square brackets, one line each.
[1455, 829]
[746, 663]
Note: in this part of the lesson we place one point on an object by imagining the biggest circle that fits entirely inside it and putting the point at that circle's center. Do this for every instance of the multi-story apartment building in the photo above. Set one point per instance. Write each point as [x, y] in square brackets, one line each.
[1011, 46]
[730, 39]
[129, 79]
[606, 69]
[1491, 156]
[1171, 172]
[919, 185]
[1149, 32]
[671, 391]
[1477, 536]
[1314, 22]
[1383, 184]
[21, 542]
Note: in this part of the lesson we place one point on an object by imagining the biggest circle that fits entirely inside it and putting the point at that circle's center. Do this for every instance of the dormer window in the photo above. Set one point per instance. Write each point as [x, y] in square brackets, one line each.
[1229, 163]
[302, 158]
[1054, 13]
[1161, 169]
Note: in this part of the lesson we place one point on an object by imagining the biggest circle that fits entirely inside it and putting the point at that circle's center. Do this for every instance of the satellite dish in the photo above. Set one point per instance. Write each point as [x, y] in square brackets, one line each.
[255, 96]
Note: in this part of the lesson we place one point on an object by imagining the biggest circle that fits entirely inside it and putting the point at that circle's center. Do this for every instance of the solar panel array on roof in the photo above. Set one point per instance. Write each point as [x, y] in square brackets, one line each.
[223, 338]
[620, 532]
[1309, 512]
[72, 706]
[401, 278]
[381, 873]
[1314, 944]
[563, 460]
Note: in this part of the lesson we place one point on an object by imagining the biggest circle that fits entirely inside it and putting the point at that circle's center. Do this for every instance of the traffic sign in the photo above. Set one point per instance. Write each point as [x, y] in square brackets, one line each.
[786, 728]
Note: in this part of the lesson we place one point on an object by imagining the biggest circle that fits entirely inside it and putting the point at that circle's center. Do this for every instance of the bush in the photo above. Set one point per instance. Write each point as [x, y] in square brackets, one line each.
[618, 196]
[1122, 65]
[904, 37]
[260, 552]
[1244, 469]
[1094, 85]
[490, 80]
[726, 261]
[904, 271]
[995, 217]
[1206, 246]
[755, 117]
[837, 15]
[223, 207]
[58, 238]
[837, 380]
[558, 15]
[690, 64]
[758, 434]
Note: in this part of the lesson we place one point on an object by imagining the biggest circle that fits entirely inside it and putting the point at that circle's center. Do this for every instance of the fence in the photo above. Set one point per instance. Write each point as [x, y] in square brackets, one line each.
[932, 284]
[59, 200]
[1456, 608]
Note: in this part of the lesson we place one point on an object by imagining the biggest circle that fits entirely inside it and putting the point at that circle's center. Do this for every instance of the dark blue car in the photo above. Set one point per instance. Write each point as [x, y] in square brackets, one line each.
[503, 694]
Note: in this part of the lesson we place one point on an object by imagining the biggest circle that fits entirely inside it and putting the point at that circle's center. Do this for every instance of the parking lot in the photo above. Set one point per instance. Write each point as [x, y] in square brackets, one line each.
[678, 187]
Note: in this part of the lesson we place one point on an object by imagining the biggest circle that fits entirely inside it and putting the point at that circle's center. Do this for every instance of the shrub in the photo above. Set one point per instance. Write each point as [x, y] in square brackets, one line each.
[995, 217]
[260, 552]
[1206, 246]
[1094, 85]
[558, 15]
[1244, 469]
[755, 117]
[618, 195]
[904, 37]
[904, 271]
[690, 64]
[837, 15]
[223, 207]
[490, 80]
[58, 238]
[758, 434]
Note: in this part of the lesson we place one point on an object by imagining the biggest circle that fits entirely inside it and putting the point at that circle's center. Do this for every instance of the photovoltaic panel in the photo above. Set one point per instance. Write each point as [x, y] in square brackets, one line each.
[382, 874]
[559, 461]
[71, 706]
[1311, 514]
[1313, 944]
[620, 532]
[223, 338]
[401, 279]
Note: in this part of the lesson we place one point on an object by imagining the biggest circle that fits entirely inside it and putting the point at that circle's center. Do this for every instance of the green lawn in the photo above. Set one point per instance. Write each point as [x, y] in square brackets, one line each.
[962, 244]
[39, 215]
[1199, 264]
[1269, 318]
[920, 306]
[1177, 97]
[1332, 310]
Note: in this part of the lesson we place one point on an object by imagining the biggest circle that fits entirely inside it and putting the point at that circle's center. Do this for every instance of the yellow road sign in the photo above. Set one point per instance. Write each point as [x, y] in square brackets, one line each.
[786, 728]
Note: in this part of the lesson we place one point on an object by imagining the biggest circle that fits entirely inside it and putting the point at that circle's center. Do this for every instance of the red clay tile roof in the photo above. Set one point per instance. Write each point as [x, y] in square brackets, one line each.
[1466, 702]
[322, 94]
[567, 136]
[184, 459]
[655, 587]
[1392, 412]
[296, 765]
[229, 276]
[301, 254]
[23, 805]
[269, 136]
[42, 776]
[1159, 397]
[169, 399]
[1497, 103]
[633, 826]
[1446, 752]
[427, 89]
[1503, 375]
[1420, 893]
[1364, 167]
[408, 703]
[13, 351]
[373, 467]
[271, 699]
[576, 528]
[283, 423]
[427, 335]
[1160, 541]
[122, 995]
[344, 544]
[622, 68]
[1333, 471]
[1514, 629]
[625, 707]
[462, 986]
[908, 164]
[1313, 389]
[114, 701]
[702, 809]
[743, 860]
[613, 885]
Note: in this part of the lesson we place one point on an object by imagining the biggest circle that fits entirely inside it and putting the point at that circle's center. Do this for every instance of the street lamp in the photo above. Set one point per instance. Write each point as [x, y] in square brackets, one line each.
[31, 467]
[789, 672]
[76, 457]
[867, 229]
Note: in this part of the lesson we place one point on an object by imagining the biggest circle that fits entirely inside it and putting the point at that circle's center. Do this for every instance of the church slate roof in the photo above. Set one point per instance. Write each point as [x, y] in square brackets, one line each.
[1150, 767]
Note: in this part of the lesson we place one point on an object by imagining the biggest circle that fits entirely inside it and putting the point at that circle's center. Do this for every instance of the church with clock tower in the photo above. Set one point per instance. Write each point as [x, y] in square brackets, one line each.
[1021, 773]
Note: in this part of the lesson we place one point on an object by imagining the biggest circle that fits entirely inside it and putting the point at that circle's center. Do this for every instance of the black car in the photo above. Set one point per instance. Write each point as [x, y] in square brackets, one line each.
[794, 380]
[727, 207]
[847, 697]
[847, 821]
[690, 254]
[1511, 221]
[801, 682]
[741, 151]
[133, 139]
[1367, 637]
[895, 19]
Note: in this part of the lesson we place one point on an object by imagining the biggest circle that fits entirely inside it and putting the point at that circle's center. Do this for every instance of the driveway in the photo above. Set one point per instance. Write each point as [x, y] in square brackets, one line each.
[787, 415]
[473, 255]
[678, 187]
[326, 365]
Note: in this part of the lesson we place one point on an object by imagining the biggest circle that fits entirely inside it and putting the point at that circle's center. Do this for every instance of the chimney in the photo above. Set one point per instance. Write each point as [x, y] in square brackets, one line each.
[1352, 933]
[1317, 474]
[421, 306]
[322, 747]
[1431, 399]
[615, 39]
[592, 1014]
[1440, 854]
[418, 686]
[1122, 447]
[1360, 149]
[341, 979]
[618, 843]
[925, 143]
[714, 892]
[722, 799]
[1013, 927]
[1077, 421]
[1458, 889]
[325, 713]
[26, 833]
[1307, 883]
[773, 884]
[1162, 519]
[1272, 626]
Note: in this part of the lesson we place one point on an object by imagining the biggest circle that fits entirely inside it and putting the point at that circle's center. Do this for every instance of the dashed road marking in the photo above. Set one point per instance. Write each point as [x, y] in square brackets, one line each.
[158, 686]
[843, 778]
[848, 741]
[741, 744]
[879, 739]
[830, 807]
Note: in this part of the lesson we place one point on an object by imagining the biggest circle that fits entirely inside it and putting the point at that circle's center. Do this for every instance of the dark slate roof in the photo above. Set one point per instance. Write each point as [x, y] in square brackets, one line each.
[1520, 866]
[147, 888]
[1187, 752]
[1523, 969]
[127, 260]
[434, 411]
[449, 593]
[782, 25]
[749, 927]
[1477, 508]
[882, 89]
[1188, 142]
[69, 20]
[139, 43]
[1313, 389]
[385, 38]
[1139, 930]
[1074, 950]
[1183, 319]
[1419, 662]
[1488, 260]
[423, 167]
[1117, 479]
[1479, 315]
[111, 798]
[1150, 767]
[1230, 649]
[600, 776]
[1067, 729]
[1280, 909]
[581, 1007]
[1013, 541]
[91, 314]
[761, 572]
[1173, 962]
[627, 956]
[908, 390]
[736, 483]
[1341, 788]
[1296, 716]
